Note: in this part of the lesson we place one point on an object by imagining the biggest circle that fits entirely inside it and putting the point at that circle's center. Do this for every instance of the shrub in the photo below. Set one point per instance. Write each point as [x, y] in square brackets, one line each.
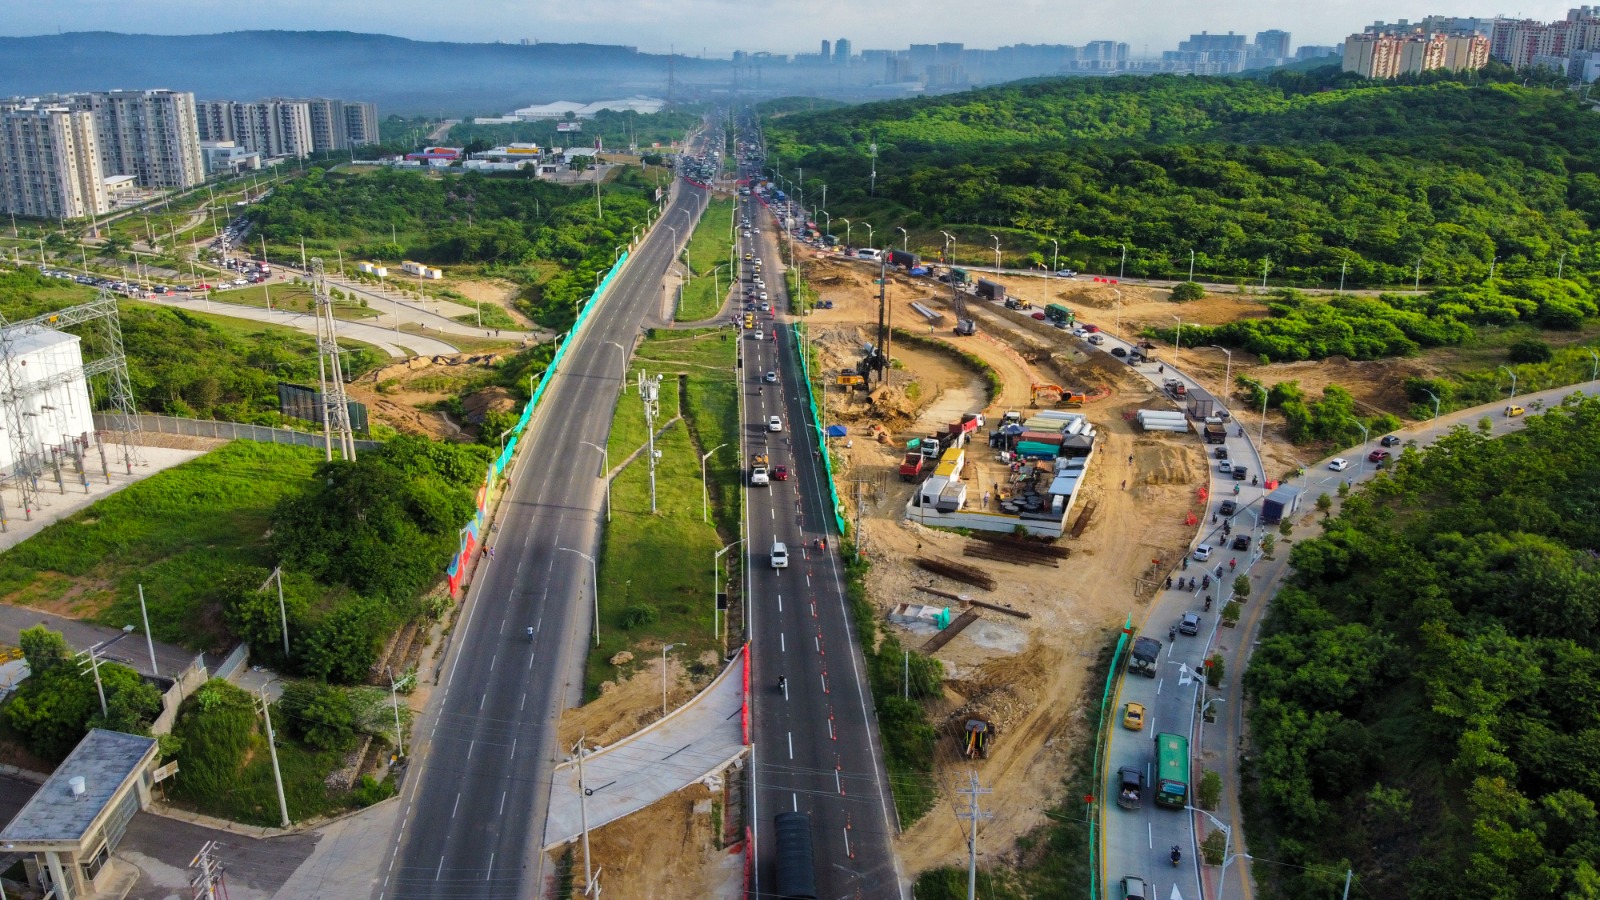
[319, 714]
[1186, 291]
[639, 615]
[217, 727]
[370, 790]
[1529, 350]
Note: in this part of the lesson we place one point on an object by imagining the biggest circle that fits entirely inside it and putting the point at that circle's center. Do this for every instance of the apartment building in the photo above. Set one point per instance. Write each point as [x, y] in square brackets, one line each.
[50, 162]
[1525, 43]
[151, 135]
[1377, 55]
[289, 126]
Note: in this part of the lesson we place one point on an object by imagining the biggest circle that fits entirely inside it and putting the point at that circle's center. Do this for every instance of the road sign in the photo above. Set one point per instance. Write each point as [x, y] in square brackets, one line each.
[162, 773]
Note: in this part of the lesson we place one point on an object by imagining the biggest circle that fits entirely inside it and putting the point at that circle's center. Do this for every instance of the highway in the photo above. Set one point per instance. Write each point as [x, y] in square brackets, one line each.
[474, 808]
[816, 749]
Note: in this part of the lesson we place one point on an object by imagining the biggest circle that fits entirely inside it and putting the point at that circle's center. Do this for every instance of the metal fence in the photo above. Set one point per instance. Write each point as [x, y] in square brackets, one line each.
[228, 431]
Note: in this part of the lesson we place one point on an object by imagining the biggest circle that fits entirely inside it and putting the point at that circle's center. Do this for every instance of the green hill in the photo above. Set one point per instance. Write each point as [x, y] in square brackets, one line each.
[1307, 172]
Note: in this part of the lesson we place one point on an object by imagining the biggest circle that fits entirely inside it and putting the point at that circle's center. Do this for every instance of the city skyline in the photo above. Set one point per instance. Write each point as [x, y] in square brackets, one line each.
[716, 28]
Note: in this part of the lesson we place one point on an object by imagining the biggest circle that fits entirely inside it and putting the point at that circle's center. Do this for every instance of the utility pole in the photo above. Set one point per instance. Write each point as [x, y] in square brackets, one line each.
[335, 402]
[204, 882]
[283, 611]
[272, 746]
[972, 815]
[394, 697]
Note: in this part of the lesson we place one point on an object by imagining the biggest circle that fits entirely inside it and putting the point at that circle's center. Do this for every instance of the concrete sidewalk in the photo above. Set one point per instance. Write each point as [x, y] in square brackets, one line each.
[81, 491]
[695, 740]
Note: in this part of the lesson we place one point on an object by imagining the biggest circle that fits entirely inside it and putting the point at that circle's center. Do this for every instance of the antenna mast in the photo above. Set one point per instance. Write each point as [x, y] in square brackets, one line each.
[335, 402]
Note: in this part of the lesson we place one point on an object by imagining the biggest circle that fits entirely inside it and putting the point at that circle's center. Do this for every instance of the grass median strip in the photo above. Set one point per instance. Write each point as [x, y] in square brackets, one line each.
[708, 248]
[655, 569]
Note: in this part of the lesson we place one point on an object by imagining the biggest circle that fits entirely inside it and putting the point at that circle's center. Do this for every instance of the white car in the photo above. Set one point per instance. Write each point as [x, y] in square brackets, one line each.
[1202, 552]
[1338, 464]
[763, 296]
[780, 555]
[772, 378]
[758, 334]
[774, 423]
[1079, 332]
[1225, 467]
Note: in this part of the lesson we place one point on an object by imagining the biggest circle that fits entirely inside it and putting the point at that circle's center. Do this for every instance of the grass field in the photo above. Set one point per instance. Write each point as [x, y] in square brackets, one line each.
[662, 562]
[295, 297]
[708, 249]
[176, 532]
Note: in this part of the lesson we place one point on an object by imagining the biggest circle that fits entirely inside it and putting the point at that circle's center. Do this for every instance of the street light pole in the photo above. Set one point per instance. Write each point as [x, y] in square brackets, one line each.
[1227, 844]
[1055, 256]
[996, 253]
[1513, 374]
[1361, 465]
[716, 561]
[1433, 425]
[705, 490]
[1261, 441]
[1191, 265]
[1177, 344]
[1227, 376]
[905, 239]
[594, 581]
[846, 231]
[605, 462]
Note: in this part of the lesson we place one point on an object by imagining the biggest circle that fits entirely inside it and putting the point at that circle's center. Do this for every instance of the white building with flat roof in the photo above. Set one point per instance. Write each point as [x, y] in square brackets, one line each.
[53, 395]
[560, 108]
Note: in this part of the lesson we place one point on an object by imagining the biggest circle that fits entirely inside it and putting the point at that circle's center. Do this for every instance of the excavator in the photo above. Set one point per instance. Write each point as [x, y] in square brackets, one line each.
[1055, 395]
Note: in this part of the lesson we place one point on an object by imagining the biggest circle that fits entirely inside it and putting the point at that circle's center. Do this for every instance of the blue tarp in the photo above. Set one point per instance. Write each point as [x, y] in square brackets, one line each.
[837, 431]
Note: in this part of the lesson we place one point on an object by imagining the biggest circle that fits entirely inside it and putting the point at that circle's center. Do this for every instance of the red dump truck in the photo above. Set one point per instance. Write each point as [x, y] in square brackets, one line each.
[911, 467]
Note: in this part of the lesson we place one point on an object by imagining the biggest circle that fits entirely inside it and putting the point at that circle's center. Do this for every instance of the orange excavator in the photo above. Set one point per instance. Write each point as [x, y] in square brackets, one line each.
[1055, 395]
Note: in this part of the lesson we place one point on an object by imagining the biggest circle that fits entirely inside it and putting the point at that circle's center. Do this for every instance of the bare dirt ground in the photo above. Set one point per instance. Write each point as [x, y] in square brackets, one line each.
[399, 395]
[493, 290]
[669, 850]
[1027, 676]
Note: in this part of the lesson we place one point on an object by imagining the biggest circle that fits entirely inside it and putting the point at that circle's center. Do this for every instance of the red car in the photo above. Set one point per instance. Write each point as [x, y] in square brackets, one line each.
[1090, 328]
[1039, 316]
[1377, 456]
[780, 473]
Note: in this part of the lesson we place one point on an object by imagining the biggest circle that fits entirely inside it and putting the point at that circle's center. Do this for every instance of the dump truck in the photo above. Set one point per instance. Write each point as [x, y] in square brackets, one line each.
[758, 470]
[1216, 432]
[1145, 657]
[911, 467]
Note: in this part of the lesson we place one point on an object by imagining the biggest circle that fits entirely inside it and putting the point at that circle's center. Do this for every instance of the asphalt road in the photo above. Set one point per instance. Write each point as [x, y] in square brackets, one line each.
[1139, 841]
[816, 743]
[474, 813]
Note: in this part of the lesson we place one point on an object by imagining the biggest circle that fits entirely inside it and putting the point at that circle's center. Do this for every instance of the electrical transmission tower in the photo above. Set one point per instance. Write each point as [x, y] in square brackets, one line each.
[335, 403]
[650, 393]
[25, 400]
[208, 873]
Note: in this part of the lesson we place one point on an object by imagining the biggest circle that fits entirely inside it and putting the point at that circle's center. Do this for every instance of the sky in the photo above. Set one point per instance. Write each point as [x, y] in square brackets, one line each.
[720, 26]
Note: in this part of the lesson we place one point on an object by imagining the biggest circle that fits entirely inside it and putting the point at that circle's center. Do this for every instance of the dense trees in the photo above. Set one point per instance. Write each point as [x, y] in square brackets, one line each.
[1427, 690]
[1307, 176]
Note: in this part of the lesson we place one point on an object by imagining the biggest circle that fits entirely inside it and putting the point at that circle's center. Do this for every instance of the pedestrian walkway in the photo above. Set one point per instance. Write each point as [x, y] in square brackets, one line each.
[698, 739]
[79, 491]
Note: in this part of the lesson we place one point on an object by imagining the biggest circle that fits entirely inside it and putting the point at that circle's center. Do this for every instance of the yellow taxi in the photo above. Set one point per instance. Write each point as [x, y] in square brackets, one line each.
[1133, 717]
[749, 320]
[1513, 411]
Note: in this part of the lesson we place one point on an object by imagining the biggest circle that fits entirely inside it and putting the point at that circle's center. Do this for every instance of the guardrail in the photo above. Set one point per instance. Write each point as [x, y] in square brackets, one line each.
[471, 531]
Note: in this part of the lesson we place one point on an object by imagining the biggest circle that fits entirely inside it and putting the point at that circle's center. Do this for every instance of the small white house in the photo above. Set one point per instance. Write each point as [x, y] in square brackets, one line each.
[421, 271]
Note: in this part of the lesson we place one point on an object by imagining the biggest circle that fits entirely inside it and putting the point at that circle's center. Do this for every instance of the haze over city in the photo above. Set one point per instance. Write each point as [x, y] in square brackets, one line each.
[717, 27]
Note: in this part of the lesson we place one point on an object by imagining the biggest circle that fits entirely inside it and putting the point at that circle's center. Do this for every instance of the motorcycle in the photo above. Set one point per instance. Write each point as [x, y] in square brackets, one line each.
[1205, 582]
[1177, 856]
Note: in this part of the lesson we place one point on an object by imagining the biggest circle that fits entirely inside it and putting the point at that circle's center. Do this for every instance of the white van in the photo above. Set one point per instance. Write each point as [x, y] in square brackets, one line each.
[780, 555]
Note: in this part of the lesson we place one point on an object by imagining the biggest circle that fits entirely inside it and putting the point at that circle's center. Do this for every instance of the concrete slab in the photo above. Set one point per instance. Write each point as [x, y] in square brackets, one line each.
[696, 739]
[56, 504]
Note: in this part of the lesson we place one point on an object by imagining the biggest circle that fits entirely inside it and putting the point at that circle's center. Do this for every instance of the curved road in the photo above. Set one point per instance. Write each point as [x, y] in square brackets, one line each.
[473, 813]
